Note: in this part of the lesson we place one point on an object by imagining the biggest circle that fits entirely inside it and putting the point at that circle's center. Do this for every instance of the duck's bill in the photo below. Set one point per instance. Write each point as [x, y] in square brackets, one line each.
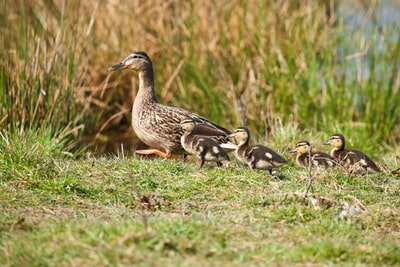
[327, 142]
[293, 150]
[119, 66]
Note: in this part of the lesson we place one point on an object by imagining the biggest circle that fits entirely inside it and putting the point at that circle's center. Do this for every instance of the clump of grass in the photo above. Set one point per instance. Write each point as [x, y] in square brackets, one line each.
[29, 156]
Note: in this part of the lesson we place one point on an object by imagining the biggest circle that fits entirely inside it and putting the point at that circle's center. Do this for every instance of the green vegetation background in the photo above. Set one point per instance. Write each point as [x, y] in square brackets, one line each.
[290, 69]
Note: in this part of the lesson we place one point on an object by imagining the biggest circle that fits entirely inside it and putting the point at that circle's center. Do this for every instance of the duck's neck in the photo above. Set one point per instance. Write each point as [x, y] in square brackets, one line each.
[189, 132]
[302, 159]
[335, 150]
[186, 133]
[146, 93]
[243, 144]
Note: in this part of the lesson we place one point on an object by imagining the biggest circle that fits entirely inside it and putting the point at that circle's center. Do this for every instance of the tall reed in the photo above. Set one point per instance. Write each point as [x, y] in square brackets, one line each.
[265, 64]
[40, 68]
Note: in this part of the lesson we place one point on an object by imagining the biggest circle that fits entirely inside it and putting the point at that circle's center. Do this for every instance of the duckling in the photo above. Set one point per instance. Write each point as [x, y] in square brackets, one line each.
[354, 160]
[153, 122]
[257, 156]
[304, 151]
[202, 147]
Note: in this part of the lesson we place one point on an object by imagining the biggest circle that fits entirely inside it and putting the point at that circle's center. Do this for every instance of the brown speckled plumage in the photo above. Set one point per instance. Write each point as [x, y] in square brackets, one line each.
[353, 160]
[257, 156]
[318, 159]
[153, 122]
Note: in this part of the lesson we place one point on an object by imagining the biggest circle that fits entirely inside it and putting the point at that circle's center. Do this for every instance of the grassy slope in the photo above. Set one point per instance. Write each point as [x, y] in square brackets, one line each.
[66, 212]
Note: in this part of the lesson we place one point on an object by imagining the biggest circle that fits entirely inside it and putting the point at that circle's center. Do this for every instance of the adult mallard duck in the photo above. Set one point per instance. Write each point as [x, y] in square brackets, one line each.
[305, 152]
[202, 147]
[257, 156]
[353, 160]
[153, 122]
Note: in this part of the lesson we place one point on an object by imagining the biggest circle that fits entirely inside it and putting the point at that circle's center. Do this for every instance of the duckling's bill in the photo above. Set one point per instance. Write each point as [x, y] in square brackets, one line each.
[327, 142]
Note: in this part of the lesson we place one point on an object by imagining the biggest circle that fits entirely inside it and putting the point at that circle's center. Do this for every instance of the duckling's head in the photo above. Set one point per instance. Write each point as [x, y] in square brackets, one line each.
[302, 147]
[187, 125]
[337, 141]
[136, 60]
[241, 134]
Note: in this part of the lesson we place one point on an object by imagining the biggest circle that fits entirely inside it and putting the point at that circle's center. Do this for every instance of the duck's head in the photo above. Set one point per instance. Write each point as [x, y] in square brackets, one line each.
[241, 134]
[302, 147]
[187, 125]
[336, 140]
[136, 60]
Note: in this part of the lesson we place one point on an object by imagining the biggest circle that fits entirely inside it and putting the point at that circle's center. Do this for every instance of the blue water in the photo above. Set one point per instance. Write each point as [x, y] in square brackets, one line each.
[370, 32]
[384, 12]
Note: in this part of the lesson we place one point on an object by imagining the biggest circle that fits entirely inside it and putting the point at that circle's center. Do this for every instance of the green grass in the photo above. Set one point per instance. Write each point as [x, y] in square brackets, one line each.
[285, 68]
[61, 211]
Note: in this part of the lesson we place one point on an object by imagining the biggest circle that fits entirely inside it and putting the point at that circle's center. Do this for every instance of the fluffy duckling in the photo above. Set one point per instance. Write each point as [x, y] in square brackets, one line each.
[257, 156]
[318, 159]
[354, 160]
[154, 122]
[202, 147]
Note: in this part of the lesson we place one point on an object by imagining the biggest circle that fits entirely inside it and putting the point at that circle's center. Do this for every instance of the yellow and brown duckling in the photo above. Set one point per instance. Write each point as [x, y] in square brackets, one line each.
[153, 122]
[257, 156]
[202, 147]
[353, 160]
[318, 159]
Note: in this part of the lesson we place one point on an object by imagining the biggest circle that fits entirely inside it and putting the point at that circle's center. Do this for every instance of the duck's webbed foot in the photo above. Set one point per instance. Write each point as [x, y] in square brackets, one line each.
[154, 152]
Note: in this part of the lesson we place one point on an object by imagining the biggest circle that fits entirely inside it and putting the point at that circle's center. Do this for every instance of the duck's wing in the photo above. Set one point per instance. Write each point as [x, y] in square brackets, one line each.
[216, 132]
[323, 158]
[204, 126]
[260, 151]
[365, 161]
